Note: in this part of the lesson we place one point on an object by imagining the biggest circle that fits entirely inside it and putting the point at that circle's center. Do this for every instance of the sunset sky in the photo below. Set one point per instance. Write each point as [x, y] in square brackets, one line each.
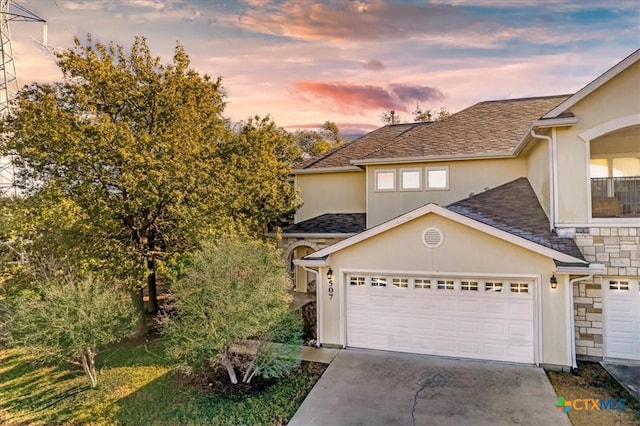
[305, 62]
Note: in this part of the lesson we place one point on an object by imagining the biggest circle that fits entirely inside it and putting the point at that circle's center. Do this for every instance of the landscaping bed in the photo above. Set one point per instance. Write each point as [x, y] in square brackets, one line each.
[137, 385]
[591, 381]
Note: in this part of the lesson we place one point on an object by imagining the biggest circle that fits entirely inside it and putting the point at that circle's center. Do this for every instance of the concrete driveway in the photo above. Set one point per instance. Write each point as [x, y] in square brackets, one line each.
[383, 388]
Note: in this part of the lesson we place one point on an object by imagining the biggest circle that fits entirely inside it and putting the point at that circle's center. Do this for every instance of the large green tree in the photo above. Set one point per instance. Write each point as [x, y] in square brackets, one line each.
[142, 150]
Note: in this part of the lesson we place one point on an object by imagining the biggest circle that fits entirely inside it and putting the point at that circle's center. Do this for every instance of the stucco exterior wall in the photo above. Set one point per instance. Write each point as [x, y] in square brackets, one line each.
[464, 250]
[538, 172]
[321, 193]
[615, 99]
[465, 177]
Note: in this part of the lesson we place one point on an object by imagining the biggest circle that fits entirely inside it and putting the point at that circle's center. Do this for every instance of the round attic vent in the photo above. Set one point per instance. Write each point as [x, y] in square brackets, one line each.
[432, 237]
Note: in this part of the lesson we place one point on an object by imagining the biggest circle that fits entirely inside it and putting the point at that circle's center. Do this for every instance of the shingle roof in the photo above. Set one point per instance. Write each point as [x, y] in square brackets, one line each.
[357, 148]
[514, 208]
[491, 128]
[330, 223]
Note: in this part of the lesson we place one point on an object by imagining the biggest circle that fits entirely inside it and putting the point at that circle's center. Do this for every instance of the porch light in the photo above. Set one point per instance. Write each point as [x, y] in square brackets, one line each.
[554, 281]
[329, 274]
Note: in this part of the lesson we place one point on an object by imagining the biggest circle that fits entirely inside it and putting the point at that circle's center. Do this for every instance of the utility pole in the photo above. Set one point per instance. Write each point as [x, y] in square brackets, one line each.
[11, 12]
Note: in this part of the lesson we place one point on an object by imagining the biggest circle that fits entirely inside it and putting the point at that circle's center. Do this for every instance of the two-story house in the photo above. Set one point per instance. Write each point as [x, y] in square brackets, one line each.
[509, 231]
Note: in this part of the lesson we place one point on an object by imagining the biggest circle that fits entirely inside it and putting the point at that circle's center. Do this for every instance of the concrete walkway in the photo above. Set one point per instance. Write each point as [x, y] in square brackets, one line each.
[322, 355]
[626, 372]
[383, 388]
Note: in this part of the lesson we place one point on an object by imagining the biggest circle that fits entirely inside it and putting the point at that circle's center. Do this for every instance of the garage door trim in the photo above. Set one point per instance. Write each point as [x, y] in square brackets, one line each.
[535, 279]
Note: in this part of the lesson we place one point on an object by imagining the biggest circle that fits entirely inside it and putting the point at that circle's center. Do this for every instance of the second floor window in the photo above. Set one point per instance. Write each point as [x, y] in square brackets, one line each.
[385, 180]
[437, 178]
[411, 179]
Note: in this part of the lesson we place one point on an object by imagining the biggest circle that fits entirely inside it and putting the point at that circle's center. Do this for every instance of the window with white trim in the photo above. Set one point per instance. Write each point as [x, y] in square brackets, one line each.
[400, 282]
[437, 178]
[385, 180]
[410, 179]
[356, 281]
[421, 283]
[445, 285]
[378, 281]
[618, 285]
[519, 288]
[493, 287]
[469, 285]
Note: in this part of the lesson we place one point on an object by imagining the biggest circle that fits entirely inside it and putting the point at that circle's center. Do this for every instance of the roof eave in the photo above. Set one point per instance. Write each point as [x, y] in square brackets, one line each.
[341, 169]
[591, 268]
[315, 235]
[542, 124]
[315, 262]
[555, 122]
[431, 158]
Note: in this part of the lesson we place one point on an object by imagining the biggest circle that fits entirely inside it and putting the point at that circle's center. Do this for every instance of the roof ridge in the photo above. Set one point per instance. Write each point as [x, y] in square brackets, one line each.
[528, 98]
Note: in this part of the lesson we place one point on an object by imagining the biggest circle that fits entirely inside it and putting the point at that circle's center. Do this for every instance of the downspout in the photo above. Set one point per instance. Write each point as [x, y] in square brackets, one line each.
[572, 328]
[552, 207]
[318, 305]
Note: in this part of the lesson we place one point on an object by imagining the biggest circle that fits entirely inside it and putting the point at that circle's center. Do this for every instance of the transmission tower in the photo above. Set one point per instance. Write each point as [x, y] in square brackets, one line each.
[9, 80]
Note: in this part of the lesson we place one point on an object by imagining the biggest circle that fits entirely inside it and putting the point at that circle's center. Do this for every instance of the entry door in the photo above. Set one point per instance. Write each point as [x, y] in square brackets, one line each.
[621, 312]
[301, 277]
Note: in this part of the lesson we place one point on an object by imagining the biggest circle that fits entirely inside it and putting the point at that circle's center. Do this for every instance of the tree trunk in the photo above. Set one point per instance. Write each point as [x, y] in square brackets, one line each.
[226, 362]
[152, 306]
[138, 301]
[248, 374]
[89, 367]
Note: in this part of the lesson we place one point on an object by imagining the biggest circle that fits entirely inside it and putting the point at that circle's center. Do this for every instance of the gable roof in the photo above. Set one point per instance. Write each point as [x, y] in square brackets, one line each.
[341, 156]
[595, 84]
[514, 208]
[486, 129]
[482, 218]
[329, 223]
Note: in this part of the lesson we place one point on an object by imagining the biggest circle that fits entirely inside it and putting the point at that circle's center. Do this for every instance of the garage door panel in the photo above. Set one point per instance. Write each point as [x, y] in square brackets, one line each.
[468, 307]
[471, 324]
[520, 331]
[621, 317]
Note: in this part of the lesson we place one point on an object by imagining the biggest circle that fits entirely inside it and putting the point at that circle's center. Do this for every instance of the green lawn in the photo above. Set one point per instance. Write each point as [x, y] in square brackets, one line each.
[136, 386]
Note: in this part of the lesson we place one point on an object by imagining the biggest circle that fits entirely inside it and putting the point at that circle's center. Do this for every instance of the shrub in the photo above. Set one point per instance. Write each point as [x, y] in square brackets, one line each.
[233, 296]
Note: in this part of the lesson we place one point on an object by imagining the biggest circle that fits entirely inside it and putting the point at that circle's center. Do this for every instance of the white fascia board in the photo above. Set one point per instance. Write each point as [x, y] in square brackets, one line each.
[430, 159]
[592, 268]
[595, 84]
[555, 122]
[313, 263]
[311, 235]
[319, 170]
[456, 217]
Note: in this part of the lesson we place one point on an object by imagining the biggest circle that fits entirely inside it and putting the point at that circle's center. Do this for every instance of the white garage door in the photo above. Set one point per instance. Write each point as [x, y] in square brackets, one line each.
[489, 319]
[621, 314]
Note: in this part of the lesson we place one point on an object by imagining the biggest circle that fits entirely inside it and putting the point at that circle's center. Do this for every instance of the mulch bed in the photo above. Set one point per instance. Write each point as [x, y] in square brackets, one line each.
[216, 380]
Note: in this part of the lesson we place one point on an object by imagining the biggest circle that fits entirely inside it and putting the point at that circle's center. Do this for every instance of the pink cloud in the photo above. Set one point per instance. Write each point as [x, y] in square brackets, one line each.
[348, 97]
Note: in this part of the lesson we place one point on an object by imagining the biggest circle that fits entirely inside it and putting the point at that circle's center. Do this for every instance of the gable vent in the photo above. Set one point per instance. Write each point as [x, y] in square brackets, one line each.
[432, 237]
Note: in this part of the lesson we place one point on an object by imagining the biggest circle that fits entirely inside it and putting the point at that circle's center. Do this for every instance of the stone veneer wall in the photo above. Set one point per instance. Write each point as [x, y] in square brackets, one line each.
[619, 250]
[285, 244]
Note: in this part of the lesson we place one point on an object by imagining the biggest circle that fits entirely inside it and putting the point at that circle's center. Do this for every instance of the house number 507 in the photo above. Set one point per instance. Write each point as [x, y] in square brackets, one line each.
[330, 281]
